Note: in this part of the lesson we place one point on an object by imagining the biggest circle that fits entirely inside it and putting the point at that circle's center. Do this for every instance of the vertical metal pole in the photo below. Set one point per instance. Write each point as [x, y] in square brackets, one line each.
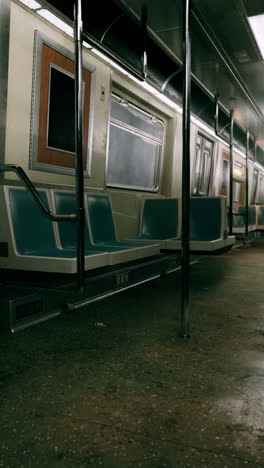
[79, 141]
[216, 115]
[230, 215]
[4, 59]
[246, 191]
[186, 117]
[144, 16]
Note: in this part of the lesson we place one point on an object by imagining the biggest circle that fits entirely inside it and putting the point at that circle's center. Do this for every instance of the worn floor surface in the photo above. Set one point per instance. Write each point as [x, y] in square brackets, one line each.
[114, 386]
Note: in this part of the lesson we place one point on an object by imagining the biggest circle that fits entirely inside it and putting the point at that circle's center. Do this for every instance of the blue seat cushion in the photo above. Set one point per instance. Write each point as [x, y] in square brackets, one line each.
[251, 216]
[65, 203]
[160, 218]
[33, 231]
[205, 219]
[101, 219]
[261, 215]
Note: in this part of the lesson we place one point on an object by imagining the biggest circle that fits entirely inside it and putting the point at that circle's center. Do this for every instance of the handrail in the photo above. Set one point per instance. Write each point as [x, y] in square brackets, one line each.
[216, 122]
[246, 194]
[30, 187]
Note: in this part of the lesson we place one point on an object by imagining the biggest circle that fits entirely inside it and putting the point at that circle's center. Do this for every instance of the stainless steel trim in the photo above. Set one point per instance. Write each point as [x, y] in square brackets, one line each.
[169, 78]
[186, 125]
[108, 129]
[71, 75]
[79, 305]
[110, 25]
[128, 128]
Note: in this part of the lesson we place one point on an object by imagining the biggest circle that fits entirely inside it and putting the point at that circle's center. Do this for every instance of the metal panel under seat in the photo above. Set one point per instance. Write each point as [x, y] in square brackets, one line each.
[37, 296]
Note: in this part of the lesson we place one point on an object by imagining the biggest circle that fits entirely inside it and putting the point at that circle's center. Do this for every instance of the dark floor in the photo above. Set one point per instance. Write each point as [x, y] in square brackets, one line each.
[114, 386]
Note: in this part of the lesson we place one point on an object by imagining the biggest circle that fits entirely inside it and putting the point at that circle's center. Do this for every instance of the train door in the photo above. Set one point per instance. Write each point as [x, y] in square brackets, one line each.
[203, 167]
[224, 178]
[260, 190]
[253, 195]
[239, 186]
[238, 183]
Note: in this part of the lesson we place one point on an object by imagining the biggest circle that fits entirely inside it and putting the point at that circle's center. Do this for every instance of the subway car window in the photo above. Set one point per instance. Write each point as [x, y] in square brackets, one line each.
[237, 192]
[53, 127]
[225, 177]
[202, 166]
[60, 132]
[254, 187]
[260, 199]
[239, 169]
[135, 147]
[239, 183]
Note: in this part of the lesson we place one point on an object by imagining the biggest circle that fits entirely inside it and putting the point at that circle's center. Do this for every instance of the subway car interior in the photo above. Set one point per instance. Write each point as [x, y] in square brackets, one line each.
[131, 237]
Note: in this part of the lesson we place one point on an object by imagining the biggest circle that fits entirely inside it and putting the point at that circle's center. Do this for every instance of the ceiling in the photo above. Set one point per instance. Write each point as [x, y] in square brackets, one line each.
[225, 57]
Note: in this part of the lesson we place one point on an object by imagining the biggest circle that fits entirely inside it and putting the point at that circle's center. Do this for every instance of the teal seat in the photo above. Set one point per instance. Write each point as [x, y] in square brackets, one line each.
[102, 223]
[251, 216]
[261, 215]
[33, 231]
[205, 219]
[65, 203]
[159, 218]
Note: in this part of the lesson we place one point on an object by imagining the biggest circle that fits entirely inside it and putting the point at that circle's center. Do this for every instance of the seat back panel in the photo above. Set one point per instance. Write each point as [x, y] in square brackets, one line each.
[66, 203]
[159, 218]
[205, 219]
[101, 218]
[30, 227]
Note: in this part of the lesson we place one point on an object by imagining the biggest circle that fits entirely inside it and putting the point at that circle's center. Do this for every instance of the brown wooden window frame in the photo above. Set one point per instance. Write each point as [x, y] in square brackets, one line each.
[48, 54]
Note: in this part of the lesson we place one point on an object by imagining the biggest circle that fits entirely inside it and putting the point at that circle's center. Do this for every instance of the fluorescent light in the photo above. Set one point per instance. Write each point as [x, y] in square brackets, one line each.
[56, 21]
[257, 27]
[31, 4]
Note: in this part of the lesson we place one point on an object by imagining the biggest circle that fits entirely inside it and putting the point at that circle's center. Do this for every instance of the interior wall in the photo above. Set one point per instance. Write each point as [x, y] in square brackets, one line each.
[23, 24]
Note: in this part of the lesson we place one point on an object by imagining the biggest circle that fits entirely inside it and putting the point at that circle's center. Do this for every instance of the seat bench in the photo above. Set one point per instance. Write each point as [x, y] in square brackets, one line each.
[100, 233]
[239, 226]
[103, 230]
[208, 230]
[30, 237]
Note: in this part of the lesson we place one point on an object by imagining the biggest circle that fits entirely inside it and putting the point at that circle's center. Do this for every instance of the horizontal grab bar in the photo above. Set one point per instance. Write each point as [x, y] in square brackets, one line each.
[30, 187]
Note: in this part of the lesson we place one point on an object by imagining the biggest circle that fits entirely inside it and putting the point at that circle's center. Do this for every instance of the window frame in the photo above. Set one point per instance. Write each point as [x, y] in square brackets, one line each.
[259, 198]
[255, 193]
[158, 167]
[202, 149]
[39, 40]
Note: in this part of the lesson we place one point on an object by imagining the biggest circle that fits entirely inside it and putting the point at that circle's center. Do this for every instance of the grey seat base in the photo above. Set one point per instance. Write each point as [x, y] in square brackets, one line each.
[196, 246]
[242, 229]
[52, 264]
[139, 240]
[201, 246]
[30, 238]
[134, 253]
